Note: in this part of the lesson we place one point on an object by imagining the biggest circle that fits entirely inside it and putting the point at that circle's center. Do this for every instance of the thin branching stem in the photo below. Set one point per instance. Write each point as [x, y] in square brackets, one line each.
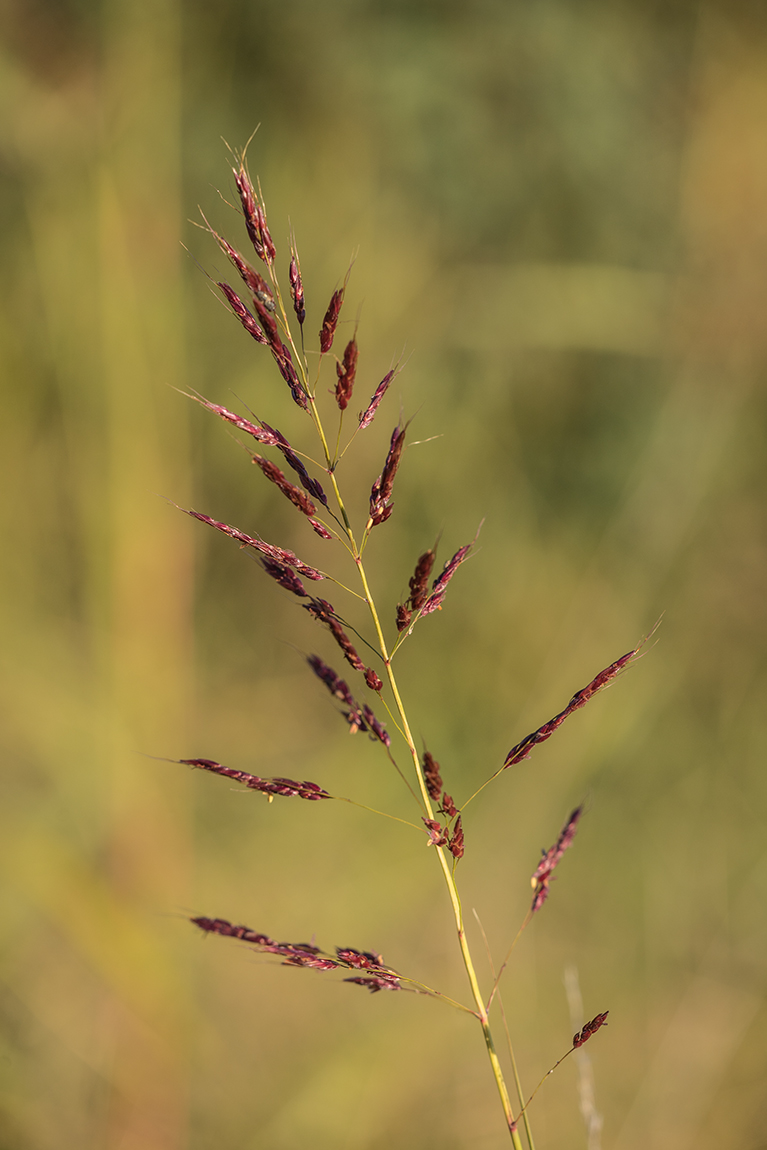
[406, 731]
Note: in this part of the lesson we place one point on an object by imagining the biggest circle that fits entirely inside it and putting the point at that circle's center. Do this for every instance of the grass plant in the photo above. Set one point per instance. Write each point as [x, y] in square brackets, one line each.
[373, 704]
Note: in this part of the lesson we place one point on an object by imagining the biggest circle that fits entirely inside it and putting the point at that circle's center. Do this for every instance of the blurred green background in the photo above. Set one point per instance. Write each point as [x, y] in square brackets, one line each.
[561, 215]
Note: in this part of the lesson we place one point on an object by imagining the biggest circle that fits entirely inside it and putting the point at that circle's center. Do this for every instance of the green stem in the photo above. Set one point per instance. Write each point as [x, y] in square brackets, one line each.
[446, 868]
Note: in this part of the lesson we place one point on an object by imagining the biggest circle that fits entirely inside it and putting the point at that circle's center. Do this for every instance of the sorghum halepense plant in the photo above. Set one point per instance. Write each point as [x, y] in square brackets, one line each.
[276, 321]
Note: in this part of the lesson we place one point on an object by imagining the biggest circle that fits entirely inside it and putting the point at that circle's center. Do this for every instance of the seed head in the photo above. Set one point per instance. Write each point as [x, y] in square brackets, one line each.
[372, 679]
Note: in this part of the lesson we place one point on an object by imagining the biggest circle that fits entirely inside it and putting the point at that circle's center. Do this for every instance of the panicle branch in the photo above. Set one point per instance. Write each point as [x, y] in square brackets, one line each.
[288, 788]
[304, 954]
[580, 698]
[544, 872]
[381, 506]
[278, 554]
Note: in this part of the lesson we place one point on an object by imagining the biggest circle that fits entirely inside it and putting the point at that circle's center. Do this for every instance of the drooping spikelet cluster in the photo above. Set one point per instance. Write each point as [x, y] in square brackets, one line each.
[378, 976]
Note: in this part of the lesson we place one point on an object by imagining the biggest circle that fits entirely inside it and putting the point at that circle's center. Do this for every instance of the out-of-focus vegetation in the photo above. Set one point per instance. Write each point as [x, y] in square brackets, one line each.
[561, 211]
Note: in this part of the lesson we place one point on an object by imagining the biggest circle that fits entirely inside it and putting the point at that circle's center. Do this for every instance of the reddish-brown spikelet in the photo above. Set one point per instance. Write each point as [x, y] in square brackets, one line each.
[439, 586]
[455, 846]
[246, 317]
[267, 437]
[330, 321]
[288, 788]
[372, 679]
[448, 807]
[381, 506]
[432, 776]
[589, 1029]
[255, 216]
[284, 576]
[404, 615]
[340, 690]
[347, 373]
[294, 461]
[359, 959]
[250, 277]
[438, 835]
[377, 729]
[324, 612]
[294, 494]
[367, 416]
[419, 582]
[222, 927]
[376, 984]
[297, 288]
[580, 698]
[280, 352]
[543, 874]
[280, 554]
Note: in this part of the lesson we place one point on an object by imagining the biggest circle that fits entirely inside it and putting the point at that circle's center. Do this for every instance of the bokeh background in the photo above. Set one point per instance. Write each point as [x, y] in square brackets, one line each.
[561, 216]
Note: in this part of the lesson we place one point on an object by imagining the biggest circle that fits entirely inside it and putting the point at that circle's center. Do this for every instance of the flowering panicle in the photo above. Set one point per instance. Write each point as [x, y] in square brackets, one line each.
[543, 874]
[589, 1029]
[346, 370]
[280, 554]
[367, 416]
[580, 698]
[309, 956]
[286, 787]
[261, 310]
[381, 506]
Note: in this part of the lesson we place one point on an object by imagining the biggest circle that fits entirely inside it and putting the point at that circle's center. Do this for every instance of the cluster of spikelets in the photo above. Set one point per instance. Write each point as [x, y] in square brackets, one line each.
[261, 311]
